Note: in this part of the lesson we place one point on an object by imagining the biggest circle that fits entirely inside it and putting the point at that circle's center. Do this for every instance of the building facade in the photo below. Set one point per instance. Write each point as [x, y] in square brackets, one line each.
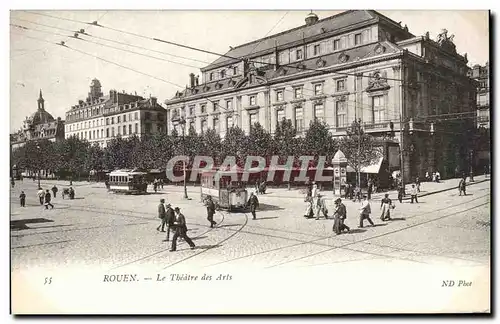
[40, 125]
[482, 75]
[100, 118]
[355, 65]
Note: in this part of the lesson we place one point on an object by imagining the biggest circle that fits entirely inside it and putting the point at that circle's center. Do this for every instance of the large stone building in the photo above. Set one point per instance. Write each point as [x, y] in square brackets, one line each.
[40, 125]
[482, 75]
[355, 65]
[101, 118]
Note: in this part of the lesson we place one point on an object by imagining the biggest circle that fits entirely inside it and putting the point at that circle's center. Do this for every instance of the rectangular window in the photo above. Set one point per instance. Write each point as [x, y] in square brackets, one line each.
[107, 132]
[229, 104]
[130, 128]
[93, 134]
[102, 133]
[136, 128]
[336, 44]
[203, 109]
[85, 126]
[357, 39]
[298, 54]
[118, 130]
[319, 112]
[340, 85]
[299, 119]
[235, 70]
[216, 124]
[279, 95]
[93, 123]
[204, 125]
[318, 89]
[378, 109]
[340, 113]
[229, 122]
[191, 111]
[112, 132]
[136, 115]
[112, 120]
[253, 100]
[216, 105]
[124, 129]
[211, 76]
[192, 125]
[118, 119]
[317, 49]
[280, 114]
[254, 118]
[297, 92]
[124, 118]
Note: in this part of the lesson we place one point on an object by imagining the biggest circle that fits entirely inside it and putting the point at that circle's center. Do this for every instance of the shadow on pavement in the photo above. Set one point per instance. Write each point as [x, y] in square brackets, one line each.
[356, 230]
[259, 218]
[229, 225]
[206, 247]
[198, 238]
[17, 225]
[377, 225]
[397, 219]
[265, 207]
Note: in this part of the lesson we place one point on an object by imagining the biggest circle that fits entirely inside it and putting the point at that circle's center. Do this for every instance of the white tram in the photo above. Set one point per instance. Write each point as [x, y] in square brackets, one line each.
[225, 193]
[128, 181]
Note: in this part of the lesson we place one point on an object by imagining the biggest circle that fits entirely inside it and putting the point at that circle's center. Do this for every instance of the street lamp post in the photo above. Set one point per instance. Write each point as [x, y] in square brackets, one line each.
[182, 122]
[38, 166]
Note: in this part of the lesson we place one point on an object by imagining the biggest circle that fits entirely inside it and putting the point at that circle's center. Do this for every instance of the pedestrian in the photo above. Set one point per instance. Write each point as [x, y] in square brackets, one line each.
[438, 176]
[364, 212]
[461, 187]
[434, 177]
[320, 207]
[340, 215]
[401, 193]
[347, 188]
[155, 185]
[12, 182]
[22, 199]
[357, 193]
[54, 190]
[309, 207]
[417, 182]
[47, 200]
[210, 211]
[71, 193]
[161, 184]
[161, 216]
[180, 230]
[386, 205]
[427, 177]
[169, 220]
[370, 189]
[253, 203]
[41, 195]
[413, 193]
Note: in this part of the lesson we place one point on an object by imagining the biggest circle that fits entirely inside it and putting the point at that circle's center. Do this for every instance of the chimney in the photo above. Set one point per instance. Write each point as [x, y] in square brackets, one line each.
[191, 80]
[197, 80]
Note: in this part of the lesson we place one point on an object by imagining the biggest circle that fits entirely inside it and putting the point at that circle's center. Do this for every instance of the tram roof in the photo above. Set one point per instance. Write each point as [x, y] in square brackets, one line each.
[126, 172]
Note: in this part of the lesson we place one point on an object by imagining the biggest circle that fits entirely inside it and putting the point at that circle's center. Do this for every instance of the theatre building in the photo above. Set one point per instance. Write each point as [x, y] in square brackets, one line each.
[355, 65]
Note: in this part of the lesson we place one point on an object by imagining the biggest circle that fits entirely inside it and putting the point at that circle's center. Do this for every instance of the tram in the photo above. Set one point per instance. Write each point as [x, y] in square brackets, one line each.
[128, 181]
[225, 193]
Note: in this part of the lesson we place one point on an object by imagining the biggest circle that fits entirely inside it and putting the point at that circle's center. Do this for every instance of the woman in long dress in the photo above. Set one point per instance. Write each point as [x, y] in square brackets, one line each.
[386, 206]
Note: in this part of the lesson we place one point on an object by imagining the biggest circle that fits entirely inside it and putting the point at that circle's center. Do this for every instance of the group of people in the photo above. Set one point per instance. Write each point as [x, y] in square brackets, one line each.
[174, 221]
[315, 202]
[45, 197]
[157, 184]
[435, 177]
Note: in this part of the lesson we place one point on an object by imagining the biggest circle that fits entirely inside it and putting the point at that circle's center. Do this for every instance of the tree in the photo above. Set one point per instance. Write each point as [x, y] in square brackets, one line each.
[212, 146]
[259, 142]
[359, 148]
[285, 142]
[118, 153]
[234, 144]
[95, 158]
[318, 141]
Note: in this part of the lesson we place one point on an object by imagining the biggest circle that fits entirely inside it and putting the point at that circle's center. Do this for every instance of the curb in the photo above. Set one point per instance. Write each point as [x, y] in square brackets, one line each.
[446, 189]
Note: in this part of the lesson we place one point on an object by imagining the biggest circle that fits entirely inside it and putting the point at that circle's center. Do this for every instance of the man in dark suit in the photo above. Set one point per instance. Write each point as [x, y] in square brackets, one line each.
[161, 215]
[253, 203]
[169, 220]
[180, 230]
[211, 211]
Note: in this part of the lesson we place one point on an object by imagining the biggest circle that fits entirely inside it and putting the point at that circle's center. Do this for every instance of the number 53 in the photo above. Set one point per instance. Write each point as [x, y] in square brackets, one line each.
[48, 280]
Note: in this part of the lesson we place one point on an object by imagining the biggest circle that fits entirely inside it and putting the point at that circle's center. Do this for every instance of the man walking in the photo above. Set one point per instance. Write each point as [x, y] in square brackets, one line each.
[47, 200]
[401, 193]
[253, 203]
[41, 196]
[169, 220]
[54, 190]
[364, 212]
[161, 215]
[22, 199]
[417, 182]
[180, 230]
[413, 193]
[461, 187]
[340, 215]
[210, 211]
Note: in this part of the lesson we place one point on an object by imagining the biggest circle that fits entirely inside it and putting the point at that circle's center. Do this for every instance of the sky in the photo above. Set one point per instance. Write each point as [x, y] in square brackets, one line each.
[64, 74]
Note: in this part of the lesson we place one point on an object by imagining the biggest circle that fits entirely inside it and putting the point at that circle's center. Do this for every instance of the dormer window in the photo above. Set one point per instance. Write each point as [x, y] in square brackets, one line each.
[211, 76]
[235, 70]
[317, 49]
[357, 39]
[336, 44]
[253, 100]
[298, 54]
[222, 74]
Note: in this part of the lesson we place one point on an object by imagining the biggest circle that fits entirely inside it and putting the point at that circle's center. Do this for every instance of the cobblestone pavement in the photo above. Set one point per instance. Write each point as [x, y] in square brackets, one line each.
[111, 231]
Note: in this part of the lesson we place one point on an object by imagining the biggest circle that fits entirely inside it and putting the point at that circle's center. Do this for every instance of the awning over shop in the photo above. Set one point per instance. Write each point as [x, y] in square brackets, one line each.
[373, 168]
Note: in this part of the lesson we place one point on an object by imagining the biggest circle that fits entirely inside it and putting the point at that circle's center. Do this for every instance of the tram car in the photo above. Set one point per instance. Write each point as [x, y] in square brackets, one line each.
[128, 181]
[225, 193]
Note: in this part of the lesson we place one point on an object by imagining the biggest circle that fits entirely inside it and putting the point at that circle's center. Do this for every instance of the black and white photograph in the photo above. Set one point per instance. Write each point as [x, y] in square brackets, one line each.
[214, 162]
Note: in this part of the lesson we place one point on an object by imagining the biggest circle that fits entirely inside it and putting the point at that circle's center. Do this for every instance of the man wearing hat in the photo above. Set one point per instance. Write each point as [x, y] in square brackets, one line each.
[210, 211]
[161, 215]
[253, 203]
[169, 220]
[180, 230]
[364, 212]
[340, 215]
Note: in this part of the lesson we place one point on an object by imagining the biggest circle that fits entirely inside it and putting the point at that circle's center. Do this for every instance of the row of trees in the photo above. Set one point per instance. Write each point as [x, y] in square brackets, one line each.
[74, 156]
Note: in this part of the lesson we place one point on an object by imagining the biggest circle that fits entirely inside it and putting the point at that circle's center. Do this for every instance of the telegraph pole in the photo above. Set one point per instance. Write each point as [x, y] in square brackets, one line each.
[402, 128]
